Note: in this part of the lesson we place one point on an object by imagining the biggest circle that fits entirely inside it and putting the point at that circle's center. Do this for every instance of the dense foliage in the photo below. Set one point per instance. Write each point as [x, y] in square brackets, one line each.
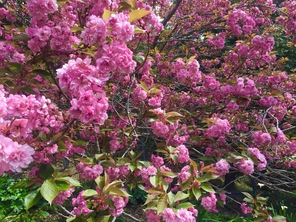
[176, 98]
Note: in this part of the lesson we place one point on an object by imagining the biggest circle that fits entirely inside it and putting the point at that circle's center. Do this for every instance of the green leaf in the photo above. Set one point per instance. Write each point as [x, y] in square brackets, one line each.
[70, 180]
[137, 14]
[107, 14]
[137, 30]
[261, 200]
[107, 163]
[186, 184]
[89, 193]
[49, 190]
[41, 72]
[118, 192]
[22, 184]
[103, 218]
[124, 6]
[151, 197]
[4, 71]
[167, 174]
[181, 196]
[76, 29]
[67, 173]
[248, 195]
[79, 143]
[28, 90]
[207, 187]
[207, 177]
[32, 198]
[132, 167]
[139, 59]
[278, 218]
[184, 205]
[46, 171]
[61, 146]
[173, 114]
[14, 66]
[248, 200]
[112, 184]
[88, 161]
[154, 180]
[100, 182]
[21, 38]
[161, 205]
[171, 198]
[62, 2]
[71, 219]
[62, 185]
[196, 192]
[9, 83]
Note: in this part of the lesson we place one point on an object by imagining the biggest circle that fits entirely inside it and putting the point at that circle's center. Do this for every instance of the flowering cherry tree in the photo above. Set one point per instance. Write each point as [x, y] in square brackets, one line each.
[167, 96]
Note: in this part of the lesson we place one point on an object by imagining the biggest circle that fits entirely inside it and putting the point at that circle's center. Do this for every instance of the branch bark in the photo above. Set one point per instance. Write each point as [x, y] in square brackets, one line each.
[166, 19]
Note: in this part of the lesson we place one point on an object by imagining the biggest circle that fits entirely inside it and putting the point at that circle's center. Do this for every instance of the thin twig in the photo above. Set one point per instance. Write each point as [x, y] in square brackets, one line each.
[132, 217]
[166, 19]
[65, 210]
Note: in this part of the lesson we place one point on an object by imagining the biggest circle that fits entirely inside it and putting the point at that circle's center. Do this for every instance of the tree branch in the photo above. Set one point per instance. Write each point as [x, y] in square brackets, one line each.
[166, 19]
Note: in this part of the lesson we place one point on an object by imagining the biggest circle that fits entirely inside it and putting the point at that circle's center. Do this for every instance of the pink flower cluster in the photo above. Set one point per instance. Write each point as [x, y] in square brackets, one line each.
[211, 83]
[45, 155]
[119, 204]
[217, 41]
[150, 22]
[245, 209]
[70, 151]
[63, 196]
[139, 94]
[146, 172]
[85, 84]
[20, 115]
[14, 156]
[120, 27]
[183, 154]
[222, 167]
[259, 54]
[289, 19]
[8, 53]
[115, 56]
[223, 197]
[188, 74]
[219, 128]
[40, 9]
[59, 36]
[261, 158]
[184, 174]
[152, 216]
[99, 203]
[118, 172]
[268, 101]
[157, 161]
[291, 149]
[261, 138]
[80, 207]
[240, 22]
[116, 26]
[244, 87]
[160, 129]
[181, 215]
[89, 173]
[95, 31]
[209, 203]
[246, 166]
